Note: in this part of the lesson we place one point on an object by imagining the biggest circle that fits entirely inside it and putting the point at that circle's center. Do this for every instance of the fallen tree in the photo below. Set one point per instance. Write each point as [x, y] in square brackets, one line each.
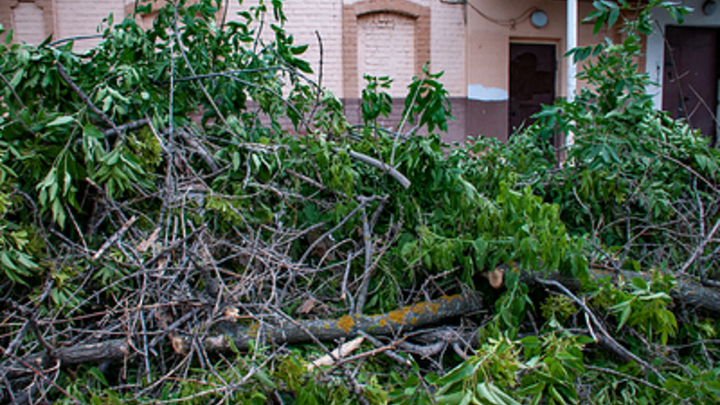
[187, 216]
[229, 335]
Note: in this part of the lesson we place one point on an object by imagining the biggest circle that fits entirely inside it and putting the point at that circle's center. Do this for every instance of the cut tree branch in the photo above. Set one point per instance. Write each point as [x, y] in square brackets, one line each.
[281, 332]
[66, 78]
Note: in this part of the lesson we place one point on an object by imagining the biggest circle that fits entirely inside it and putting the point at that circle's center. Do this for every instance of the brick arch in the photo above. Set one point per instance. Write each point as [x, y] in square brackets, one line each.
[351, 12]
[6, 13]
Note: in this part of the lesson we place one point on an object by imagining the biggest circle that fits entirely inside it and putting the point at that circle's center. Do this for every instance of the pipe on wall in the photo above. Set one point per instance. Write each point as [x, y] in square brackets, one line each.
[572, 16]
[571, 35]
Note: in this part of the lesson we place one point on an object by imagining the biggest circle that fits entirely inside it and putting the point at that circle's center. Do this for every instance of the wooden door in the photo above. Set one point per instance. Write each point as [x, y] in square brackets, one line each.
[532, 81]
[690, 82]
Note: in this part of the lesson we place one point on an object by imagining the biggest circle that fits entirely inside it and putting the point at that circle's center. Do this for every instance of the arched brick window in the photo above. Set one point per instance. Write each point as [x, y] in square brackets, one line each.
[386, 47]
[31, 20]
[384, 37]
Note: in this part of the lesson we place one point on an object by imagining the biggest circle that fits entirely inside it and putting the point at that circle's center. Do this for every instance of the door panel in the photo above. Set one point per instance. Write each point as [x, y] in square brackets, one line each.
[691, 76]
[532, 81]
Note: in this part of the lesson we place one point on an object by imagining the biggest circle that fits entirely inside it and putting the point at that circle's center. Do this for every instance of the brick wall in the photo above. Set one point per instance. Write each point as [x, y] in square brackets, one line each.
[76, 18]
[471, 48]
[448, 46]
[325, 17]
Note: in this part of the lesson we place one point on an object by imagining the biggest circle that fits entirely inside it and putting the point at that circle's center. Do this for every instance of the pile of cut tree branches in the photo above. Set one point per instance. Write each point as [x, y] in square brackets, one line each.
[186, 216]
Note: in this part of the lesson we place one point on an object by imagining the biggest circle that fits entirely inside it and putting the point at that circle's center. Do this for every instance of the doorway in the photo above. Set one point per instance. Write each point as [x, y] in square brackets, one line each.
[690, 83]
[532, 81]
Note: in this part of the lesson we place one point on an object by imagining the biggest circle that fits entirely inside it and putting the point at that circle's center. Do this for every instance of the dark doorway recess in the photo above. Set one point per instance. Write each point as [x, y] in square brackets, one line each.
[690, 83]
[532, 81]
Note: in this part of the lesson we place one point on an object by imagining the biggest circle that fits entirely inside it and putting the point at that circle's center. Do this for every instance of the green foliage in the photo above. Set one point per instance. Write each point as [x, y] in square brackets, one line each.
[186, 84]
[514, 372]
[376, 101]
[16, 254]
[428, 100]
[643, 305]
[517, 227]
[411, 390]
[629, 165]
[557, 308]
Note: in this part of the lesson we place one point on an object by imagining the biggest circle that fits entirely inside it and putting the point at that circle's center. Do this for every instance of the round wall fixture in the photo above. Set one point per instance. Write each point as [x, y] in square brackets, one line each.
[709, 7]
[539, 19]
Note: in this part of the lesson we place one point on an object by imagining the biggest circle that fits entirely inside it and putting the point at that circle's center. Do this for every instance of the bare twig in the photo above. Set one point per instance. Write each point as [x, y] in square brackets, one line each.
[700, 248]
[40, 374]
[128, 127]
[382, 166]
[388, 349]
[606, 338]
[175, 245]
[357, 389]
[367, 239]
[637, 380]
[114, 238]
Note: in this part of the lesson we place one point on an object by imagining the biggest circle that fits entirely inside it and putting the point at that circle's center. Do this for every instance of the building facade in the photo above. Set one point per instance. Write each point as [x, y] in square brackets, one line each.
[501, 59]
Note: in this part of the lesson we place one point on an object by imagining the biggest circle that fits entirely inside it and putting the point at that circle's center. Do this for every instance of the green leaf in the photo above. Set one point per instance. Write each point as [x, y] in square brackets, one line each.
[25, 261]
[556, 395]
[503, 397]
[5, 259]
[17, 77]
[64, 120]
[451, 399]
[639, 283]
[599, 23]
[530, 341]
[612, 18]
[95, 372]
[460, 373]
[89, 130]
[625, 315]
[298, 50]
[264, 379]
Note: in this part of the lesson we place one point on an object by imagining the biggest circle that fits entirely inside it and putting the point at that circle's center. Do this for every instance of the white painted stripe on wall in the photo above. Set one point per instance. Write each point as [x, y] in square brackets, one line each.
[482, 93]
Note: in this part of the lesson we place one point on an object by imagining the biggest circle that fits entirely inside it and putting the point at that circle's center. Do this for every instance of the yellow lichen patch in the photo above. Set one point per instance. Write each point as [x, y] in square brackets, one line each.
[424, 307]
[346, 323]
[449, 298]
[326, 326]
[252, 330]
[413, 321]
[382, 322]
[398, 316]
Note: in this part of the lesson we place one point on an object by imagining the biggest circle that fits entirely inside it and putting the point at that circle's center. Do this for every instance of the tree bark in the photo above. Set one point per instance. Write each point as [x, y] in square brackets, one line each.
[277, 333]
[286, 331]
[297, 332]
[687, 292]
